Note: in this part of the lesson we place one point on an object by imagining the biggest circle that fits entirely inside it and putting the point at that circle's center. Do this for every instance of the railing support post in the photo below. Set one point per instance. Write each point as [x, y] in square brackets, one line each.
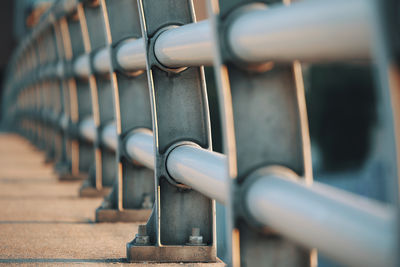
[182, 225]
[101, 177]
[264, 123]
[132, 196]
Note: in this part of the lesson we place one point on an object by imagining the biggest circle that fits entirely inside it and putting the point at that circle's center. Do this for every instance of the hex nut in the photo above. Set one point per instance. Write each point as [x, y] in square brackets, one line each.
[196, 239]
[141, 237]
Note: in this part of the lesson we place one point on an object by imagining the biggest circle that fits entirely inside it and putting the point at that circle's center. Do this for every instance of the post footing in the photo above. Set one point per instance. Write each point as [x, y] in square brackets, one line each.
[204, 254]
[90, 191]
[70, 177]
[127, 215]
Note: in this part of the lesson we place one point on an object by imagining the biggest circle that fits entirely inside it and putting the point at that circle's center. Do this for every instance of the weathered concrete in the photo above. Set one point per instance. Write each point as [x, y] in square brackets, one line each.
[44, 222]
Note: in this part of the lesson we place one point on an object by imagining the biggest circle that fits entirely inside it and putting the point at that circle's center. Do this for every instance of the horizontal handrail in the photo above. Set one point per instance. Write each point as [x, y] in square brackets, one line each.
[202, 169]
[307, 31]
[131, 55]
[87, 129]
[187, 45]
[352, 229]
[109, 136]
[140, 147]
[82, 66]
[102, 61]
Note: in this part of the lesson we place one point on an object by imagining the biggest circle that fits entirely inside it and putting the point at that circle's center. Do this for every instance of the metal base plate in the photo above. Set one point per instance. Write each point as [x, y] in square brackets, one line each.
[70, 177]
[88, 191]
[63, 170]
[176, 254]
[128, 215]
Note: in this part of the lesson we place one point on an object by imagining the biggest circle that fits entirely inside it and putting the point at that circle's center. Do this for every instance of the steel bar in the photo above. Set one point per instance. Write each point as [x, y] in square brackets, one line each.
[308, 30]
[82, 66]
[87, 129]
[279, 33]
[131, 55]
[346, 227]
[109, 136]
[203, 170]
[140, 148]
[188, 45]
[101, 61]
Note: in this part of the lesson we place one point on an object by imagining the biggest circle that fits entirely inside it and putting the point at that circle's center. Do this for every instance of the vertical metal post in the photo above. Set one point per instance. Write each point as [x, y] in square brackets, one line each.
[264, 121]
[70, 105]
[39, 115]
[180, 115]
[387, 58]
[82, 157]
[48, 92]
[62, 165]
[90, 17]
[133, 194]
[51, 94]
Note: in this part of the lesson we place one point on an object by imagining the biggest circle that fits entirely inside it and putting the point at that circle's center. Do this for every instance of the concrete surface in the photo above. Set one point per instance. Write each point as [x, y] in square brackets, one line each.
[43, 222]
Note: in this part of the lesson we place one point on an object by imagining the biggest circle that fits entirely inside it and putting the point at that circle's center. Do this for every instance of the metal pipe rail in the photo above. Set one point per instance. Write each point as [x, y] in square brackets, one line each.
[341, 225]
[87, 129]
[191, 44]
[139, 147]
[109, 136]
[116, 84]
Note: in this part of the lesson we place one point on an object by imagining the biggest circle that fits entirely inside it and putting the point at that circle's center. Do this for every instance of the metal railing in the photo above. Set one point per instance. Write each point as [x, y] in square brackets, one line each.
[114, 91]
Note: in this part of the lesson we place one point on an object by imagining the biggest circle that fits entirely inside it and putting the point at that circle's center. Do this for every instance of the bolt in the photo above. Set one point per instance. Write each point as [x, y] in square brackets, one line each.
[195, 231]
[196, 239]
[142, 238]
[147, 203]
[142, 231]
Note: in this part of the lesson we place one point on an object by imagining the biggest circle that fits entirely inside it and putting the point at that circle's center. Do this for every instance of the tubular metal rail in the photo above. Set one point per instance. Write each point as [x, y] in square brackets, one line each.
[114, 90]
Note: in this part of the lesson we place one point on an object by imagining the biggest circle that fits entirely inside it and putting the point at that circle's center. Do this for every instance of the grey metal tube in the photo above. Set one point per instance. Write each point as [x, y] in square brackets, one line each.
[348, 228]
[64, 122]
[82, 66]
[109, 136]
[201, 169]
[140, 147]
[101, 61]
[307, 30]
[188, 45]
[87, 129]
[131, 55]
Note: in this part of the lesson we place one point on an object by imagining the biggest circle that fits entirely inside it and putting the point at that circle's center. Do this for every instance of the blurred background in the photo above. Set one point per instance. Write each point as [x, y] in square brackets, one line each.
[17, 17]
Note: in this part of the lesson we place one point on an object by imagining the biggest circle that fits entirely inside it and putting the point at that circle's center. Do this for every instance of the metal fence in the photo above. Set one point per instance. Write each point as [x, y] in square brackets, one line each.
[115, 91]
